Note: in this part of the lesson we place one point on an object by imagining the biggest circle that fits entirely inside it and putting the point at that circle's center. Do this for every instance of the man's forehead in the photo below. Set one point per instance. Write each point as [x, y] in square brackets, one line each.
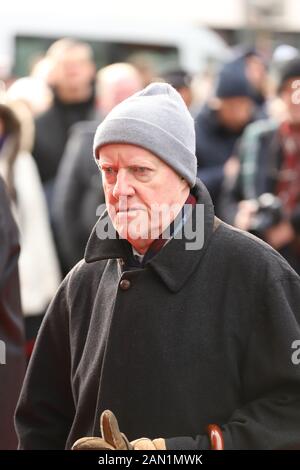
[125, 152]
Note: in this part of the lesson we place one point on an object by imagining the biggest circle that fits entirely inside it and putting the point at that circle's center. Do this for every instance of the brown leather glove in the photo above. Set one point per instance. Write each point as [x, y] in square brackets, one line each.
[113, 439]
[146, 444]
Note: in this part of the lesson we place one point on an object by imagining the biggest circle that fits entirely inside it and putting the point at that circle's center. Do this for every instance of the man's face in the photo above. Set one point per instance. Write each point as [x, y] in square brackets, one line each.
[236, 112]
[142, 193]
[74, 68]
[291, 98]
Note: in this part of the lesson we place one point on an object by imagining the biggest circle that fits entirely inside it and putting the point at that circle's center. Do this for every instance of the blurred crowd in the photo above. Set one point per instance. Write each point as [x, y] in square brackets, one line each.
[247, 121]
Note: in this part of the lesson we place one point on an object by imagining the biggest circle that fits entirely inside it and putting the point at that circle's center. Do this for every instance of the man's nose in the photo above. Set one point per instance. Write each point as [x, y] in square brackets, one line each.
[123, 186]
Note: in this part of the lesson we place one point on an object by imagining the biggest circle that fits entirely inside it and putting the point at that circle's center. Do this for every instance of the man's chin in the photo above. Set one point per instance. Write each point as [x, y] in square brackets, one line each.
[131, 235]
[136, 229]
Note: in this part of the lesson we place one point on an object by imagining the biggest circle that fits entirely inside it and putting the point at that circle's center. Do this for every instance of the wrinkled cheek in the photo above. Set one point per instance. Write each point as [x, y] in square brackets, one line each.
[112, 214]
[108, 191]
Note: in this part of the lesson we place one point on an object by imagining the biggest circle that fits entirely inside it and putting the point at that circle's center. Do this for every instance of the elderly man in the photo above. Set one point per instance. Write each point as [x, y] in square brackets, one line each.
[168, 332]
[72, 81]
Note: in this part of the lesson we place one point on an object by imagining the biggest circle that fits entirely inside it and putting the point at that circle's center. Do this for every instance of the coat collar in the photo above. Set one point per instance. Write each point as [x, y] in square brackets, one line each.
[174, 264]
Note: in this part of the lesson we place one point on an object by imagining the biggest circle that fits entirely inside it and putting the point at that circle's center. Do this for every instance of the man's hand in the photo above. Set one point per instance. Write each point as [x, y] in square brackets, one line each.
[113, 439]
[146, 444]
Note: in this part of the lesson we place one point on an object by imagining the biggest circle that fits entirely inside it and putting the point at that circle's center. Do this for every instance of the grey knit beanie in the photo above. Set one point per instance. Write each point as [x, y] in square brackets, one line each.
[158, 120]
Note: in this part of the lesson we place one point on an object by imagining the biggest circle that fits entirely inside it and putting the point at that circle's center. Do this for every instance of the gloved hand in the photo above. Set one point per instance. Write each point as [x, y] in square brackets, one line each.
[146, 444]
[113, 439]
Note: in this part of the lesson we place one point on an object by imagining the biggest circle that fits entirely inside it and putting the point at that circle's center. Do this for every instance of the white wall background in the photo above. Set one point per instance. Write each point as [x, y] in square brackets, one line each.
[114, 18]
[71, 17]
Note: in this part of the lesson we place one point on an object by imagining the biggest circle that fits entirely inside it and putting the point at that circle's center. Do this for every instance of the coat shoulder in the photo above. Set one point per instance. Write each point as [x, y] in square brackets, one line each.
[247, 252]
[85, 274]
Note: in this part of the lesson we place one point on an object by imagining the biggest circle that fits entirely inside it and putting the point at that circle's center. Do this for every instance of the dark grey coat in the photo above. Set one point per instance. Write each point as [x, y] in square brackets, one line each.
[196, 337]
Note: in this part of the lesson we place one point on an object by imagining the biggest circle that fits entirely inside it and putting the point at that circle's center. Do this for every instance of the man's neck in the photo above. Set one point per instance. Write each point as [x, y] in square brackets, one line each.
[138, 255]
[141, 245]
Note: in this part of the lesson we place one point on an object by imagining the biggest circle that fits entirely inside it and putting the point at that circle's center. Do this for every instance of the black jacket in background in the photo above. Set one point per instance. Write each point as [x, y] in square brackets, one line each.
[11, 324]
[77, 194]
[51, 135]
[214, 145]
[195, 337]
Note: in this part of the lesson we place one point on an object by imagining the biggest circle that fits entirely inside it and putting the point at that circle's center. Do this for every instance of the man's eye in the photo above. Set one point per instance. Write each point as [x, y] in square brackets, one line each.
[140, 170]
[108, 170]
[109, 173]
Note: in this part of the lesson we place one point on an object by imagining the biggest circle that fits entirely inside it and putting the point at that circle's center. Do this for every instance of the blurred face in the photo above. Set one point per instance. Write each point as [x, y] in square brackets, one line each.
[234, 113]
[114, 92]
[291, 97]
[143, 194]
[73, 69]
[255, 71]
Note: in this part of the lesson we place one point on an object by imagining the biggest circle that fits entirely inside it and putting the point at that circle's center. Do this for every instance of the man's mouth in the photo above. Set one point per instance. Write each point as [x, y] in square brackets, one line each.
[130, 209]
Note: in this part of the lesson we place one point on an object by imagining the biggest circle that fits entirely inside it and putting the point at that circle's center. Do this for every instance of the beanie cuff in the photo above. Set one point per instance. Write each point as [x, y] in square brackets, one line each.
[150, 137]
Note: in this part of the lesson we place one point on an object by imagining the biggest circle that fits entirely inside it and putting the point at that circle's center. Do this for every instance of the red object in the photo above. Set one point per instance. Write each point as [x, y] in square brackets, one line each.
[29, 348]
[288, 184]
[215, 436]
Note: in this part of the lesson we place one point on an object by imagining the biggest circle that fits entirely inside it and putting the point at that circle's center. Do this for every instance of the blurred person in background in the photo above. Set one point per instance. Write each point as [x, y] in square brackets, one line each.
[220, 124]
[280, 57]
[202, 85]
[71, 78]
[41, 68]
[265, 195]
[256, 72]
[38, 264]
[145, 65]
[33, 91]
[181, 80]
[282, 54]
[78, 187]
[6, 77]
[12, 346]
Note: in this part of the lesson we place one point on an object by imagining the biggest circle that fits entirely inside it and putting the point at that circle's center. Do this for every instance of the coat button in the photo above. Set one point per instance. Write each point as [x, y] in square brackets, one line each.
[125, 284]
